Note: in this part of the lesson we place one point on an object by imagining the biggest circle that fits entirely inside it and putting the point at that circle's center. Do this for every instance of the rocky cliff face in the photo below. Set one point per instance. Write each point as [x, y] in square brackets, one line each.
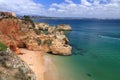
[13, 68]
[17, 33]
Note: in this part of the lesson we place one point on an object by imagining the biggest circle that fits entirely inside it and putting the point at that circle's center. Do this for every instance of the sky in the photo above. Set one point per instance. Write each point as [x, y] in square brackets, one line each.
[64, 8]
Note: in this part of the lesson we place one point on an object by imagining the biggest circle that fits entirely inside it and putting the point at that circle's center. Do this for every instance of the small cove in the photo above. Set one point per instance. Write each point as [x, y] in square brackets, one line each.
[94, 57]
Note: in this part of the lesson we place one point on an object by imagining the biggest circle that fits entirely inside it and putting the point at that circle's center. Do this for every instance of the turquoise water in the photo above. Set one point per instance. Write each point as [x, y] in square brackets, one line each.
[96, 50]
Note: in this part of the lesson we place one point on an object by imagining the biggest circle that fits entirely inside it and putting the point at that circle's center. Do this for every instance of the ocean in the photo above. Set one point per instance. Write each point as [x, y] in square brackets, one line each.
[96, 49]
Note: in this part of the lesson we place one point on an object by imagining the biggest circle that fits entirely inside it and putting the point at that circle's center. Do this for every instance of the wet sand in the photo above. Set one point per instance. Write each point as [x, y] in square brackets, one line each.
[51, 71]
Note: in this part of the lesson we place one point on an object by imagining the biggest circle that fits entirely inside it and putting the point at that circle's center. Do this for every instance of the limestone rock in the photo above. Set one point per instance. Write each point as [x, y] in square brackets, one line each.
[64, 27]
[15, 33]
[60, 35]
[51, 29]
[13, 68]
[41, 26]
[58, 47]
[18, 33]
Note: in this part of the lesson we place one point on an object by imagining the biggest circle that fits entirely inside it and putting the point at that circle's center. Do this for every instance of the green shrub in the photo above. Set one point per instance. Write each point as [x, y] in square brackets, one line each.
[2, 47]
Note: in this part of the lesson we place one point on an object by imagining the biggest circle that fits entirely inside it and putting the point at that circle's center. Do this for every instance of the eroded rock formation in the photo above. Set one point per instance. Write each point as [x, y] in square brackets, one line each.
[17, 33]
[41, 26]
[64, 27]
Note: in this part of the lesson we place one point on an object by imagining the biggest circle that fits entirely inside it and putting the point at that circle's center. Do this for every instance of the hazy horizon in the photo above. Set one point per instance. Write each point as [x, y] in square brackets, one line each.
[100, 9]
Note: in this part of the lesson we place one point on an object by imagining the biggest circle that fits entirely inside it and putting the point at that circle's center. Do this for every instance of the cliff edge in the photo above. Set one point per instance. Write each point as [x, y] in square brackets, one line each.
[23, 33]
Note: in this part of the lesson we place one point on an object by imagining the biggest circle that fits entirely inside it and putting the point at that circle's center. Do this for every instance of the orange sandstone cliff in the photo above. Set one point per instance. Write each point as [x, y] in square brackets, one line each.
[23, 33]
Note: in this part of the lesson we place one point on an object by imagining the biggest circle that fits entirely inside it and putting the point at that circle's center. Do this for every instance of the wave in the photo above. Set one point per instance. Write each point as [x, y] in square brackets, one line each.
[109, 37]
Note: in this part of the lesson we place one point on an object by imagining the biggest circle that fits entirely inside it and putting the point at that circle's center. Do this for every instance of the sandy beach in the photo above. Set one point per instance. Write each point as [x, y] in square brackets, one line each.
[41, 64]
[35, 61]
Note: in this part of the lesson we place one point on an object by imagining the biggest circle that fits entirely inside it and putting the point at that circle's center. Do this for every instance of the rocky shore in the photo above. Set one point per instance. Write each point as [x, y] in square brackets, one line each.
[58, 42]
[64, 27]
[38, 38]
[13, 68]
[23, 33]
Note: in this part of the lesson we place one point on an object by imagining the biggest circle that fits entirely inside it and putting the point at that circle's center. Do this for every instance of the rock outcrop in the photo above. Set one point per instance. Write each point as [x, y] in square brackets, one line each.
[21, 33]
[59, 47]
[13, 68]
[64, 27]
[9, 29]
[51, 29]
[41, 26]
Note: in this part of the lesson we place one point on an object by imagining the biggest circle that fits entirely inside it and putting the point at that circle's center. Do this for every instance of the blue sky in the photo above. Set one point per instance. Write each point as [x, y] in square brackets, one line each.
[64, 8]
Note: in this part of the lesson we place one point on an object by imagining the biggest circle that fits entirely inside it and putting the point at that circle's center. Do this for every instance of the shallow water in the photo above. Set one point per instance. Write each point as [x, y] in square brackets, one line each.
[96, 50]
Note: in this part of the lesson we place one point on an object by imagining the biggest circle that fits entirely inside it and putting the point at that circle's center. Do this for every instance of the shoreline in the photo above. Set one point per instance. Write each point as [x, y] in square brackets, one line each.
[51, 70]
[33, 41]
[41, 64]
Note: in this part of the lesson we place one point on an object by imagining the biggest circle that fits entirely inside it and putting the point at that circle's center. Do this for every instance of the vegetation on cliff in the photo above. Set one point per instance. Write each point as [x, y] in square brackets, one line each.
[23, 33]
[16, 33]
[2, 47]
[13, 68]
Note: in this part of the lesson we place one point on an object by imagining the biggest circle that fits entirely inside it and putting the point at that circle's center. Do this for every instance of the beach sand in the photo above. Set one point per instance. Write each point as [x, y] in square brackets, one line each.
[41, 64]
[51, 71]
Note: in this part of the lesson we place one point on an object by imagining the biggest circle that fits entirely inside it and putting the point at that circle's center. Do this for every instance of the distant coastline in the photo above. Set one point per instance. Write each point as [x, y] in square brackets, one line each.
[79, 18]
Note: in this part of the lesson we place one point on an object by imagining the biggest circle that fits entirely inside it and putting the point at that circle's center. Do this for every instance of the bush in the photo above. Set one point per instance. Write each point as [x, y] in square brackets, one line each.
[2, 47]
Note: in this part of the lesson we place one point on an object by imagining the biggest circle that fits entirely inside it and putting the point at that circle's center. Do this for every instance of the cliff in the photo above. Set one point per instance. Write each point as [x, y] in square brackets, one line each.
[38, 38]
[23, 33]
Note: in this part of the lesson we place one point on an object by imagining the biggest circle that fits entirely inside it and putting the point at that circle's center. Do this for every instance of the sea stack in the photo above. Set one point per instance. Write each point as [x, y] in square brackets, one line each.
[65, 27]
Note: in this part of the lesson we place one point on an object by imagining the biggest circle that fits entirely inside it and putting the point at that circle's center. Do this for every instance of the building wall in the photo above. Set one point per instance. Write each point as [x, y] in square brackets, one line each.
[7, 14]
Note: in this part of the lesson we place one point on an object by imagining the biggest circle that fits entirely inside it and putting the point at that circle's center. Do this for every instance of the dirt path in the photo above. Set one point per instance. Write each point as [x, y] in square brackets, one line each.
[35, 61]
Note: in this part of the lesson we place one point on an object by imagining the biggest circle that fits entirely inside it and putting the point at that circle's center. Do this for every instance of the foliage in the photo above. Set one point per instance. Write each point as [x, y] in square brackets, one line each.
[2, 47]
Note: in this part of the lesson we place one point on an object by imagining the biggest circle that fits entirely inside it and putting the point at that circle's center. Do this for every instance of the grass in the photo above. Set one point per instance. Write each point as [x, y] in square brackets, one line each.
[2, 47]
